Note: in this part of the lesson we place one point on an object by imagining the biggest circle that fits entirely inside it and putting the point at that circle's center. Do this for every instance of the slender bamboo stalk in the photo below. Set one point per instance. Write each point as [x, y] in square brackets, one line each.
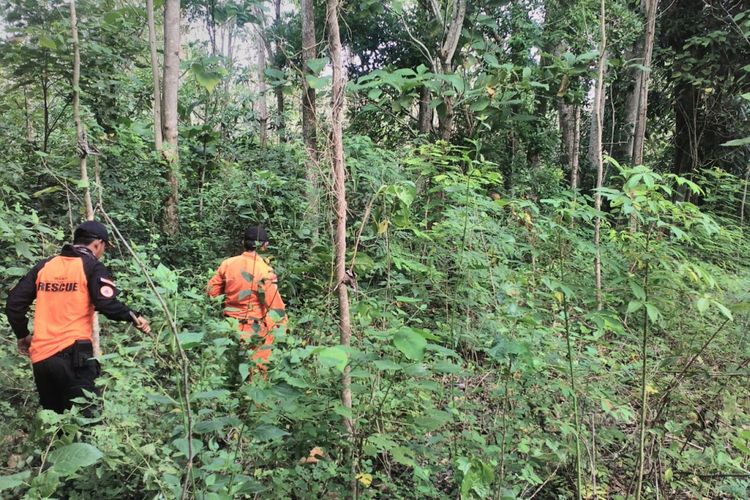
[571, 375]
[644, 392]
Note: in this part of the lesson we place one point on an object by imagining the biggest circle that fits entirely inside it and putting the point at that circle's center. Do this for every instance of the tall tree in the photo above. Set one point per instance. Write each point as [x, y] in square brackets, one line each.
[639, 101]
[279, 89]
[82, 146]
[444, 61]
[339, 188]
[171, 83]
[595, 150]
[261, 106]
[155, 75]
[309, 126]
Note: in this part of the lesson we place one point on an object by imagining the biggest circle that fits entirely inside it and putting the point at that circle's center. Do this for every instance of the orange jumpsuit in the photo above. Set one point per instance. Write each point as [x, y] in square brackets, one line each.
[251, 294]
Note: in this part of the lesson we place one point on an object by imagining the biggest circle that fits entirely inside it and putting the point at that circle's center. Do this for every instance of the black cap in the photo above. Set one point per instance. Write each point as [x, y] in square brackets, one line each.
[92, 229]
[256, 233]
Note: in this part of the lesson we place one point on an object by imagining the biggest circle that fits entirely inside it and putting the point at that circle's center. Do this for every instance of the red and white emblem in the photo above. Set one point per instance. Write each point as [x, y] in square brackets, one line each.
[107, 291]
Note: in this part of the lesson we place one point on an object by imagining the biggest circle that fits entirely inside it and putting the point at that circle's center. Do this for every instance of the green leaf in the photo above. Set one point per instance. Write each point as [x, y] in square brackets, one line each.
[334, 357]
[702, 304]
[190, 339]
[268, 432]
[182, 446]
[480, 105]
[386, 365]
[275, 73]
[276, 315]
[653, 313]
[633, 306]
[433, 421]
[206, 77]
[14, 480]
[723, 310]
[317, 83]
[72, 457]
[638, 291]
[317, 65]
[738, 142]
[244, 370]
[47, 43]
[410, 343]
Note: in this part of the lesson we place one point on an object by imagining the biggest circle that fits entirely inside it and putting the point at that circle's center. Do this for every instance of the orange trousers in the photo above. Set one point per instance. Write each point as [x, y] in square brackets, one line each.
[261, 346]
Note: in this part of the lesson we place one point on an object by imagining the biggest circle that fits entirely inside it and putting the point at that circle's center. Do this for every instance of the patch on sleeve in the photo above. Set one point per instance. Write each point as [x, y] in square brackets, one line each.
[107, 291]
[108, 282]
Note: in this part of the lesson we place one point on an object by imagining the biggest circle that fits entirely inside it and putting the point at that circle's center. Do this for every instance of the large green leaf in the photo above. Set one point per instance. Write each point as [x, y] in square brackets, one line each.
[72, 457]
[14, 480]
[334, 357]
[410, 343]
[268, 432]
[182, 446]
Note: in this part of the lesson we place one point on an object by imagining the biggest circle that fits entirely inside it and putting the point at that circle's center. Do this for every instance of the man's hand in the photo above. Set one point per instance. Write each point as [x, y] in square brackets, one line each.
[142, 324]
[23, 345]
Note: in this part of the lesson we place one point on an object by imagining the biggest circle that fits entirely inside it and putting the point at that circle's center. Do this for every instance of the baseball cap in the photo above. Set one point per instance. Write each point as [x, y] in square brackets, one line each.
[256, 233]
[92, 229]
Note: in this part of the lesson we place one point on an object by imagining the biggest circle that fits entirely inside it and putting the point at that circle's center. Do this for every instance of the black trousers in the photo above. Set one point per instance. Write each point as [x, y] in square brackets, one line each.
[65, 375]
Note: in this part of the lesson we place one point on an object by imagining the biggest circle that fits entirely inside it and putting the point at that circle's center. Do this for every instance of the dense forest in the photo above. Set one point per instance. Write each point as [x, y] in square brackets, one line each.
[512, 239]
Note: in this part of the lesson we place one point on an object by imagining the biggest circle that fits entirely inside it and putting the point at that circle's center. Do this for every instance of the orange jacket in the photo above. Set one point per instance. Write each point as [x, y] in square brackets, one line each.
[67, 288]
[250, 290]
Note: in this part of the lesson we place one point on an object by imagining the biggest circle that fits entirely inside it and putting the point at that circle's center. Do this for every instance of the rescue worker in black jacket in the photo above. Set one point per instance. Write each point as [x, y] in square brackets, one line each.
[68, 288]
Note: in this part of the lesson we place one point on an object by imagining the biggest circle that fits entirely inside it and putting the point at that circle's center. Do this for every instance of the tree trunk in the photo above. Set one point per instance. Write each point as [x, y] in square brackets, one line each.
[279, 90]
[744, 197]
[82, 147]
[631, 105]
[425, 111]
[597, 122]
[309, 126]
[338, 171]
[155, 73]
[171, 82]
[445, 56]
[261, 107]
[639, 132]
[280, 123]
[570, 127]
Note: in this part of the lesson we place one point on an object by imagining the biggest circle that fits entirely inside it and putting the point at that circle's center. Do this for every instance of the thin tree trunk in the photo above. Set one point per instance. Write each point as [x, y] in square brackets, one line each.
[279, 90]
[82, 147]
[570, 124]
[171, 82]
[80, 133]
[280, 123]
[309, 127]
[631, 104]
[744, 197]
[155, 73]
[596, 151]
[338, 170]
[425, 111]
[261, 107]
[648, 47]
[45, 111]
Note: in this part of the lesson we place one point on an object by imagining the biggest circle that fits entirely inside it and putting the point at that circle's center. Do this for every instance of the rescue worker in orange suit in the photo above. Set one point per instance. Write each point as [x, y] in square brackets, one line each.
[68, 288]
[251, 296]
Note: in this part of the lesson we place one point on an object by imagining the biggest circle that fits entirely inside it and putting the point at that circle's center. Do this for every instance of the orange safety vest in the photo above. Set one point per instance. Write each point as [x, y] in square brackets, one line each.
[250, 292]
[64, 311]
